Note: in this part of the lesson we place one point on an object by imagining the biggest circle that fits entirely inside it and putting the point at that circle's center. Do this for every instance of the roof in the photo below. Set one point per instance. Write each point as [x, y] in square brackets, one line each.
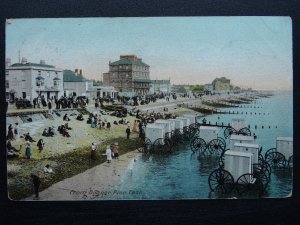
[241, 137]
[56, 78]
[128, 62]
[222, 79]
[246, 145]
[31, 65]
[70, 76]
[142, 80]
[160, 81]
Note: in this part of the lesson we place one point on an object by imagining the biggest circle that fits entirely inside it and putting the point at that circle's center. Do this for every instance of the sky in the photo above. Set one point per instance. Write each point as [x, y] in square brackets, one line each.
[253, 52]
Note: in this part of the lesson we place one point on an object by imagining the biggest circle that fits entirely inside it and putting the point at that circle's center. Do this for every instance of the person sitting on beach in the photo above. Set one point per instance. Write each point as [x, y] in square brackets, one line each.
[40, 145]
[65, 132]
[28, 138]
[66, 118]
[48, 169]
[121, 121]
[45, 133]
[50, 132]
[116, 123]
[108, 125]
[67, 126]
[79, 117]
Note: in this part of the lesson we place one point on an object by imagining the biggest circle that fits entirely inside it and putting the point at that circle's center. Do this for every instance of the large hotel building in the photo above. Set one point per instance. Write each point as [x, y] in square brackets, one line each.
[129, 76]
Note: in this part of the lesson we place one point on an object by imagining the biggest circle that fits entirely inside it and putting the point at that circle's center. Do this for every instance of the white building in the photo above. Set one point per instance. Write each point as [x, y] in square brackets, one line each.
[76, 85]
[29, 80]
[158, 86]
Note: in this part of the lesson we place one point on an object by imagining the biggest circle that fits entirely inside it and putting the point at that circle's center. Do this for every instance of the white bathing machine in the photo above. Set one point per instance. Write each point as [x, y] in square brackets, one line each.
[193, 118]
[238, 163]
[240, 139]
[154, 132]
[284, 145]
[166, 124]
[237, 124]
[178, 124]
[248, 148]
[186, 121]
[208, 133]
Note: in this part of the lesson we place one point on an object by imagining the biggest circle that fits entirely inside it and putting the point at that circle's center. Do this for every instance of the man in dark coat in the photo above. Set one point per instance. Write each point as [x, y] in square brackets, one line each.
[36, 184]
[128, 132]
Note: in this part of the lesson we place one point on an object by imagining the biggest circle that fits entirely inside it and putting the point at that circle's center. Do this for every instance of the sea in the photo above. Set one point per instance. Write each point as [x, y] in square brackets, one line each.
[184, 175]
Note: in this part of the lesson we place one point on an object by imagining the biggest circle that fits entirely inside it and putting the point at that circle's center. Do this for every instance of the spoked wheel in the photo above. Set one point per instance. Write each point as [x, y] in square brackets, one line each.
[276, 160]
[270, 150]
[229, 131]
[245, 131]
[168, 138]
[186, 133]
[143, 145]
[193, 131]
[249, 186]
[177, 137]
[290, 162]
[158, 146]
[216, 147]
[260, 171]
[221, 181]
[198, 144]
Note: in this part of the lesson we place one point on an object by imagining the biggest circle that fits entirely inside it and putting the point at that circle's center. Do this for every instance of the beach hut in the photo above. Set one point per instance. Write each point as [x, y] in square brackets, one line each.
[284, 145]
[240, 139]
[237, 124]
[208, 133]
[193, 118]
[248, 148]
[238, 163]
[186, 121]
[154, 132]
[166, 125]
[178, 123]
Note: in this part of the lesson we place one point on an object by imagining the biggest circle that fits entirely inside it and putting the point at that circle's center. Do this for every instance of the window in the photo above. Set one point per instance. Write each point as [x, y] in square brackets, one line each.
[24, 94]
[6, 83]
[56, 83]
[120, 67]
[39, 82]
[39, 72]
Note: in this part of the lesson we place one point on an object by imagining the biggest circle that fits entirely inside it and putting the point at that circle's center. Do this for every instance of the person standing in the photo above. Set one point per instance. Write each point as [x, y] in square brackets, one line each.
[108, 154]
[49, 106]
[116, 150]
[128, 132]
[36, 184]
[10, 134]
[93, 152]
[16, 131]
[28, 150]
[34, 103]
[40, 145]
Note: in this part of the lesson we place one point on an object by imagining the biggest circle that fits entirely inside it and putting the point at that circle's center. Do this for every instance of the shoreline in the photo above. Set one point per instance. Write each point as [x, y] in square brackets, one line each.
[100, 178]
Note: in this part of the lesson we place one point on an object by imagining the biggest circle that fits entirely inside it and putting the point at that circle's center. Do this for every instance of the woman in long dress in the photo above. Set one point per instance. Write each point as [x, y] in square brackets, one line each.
[93, 152]
[40, 144]
[108, 154]
[10, 134]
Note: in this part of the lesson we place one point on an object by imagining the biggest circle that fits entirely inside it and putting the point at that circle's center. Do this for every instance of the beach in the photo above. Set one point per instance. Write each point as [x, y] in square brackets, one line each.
[93, 177]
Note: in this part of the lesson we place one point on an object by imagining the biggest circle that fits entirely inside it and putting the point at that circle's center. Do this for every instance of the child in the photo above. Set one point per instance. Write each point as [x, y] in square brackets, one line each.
[108, 154]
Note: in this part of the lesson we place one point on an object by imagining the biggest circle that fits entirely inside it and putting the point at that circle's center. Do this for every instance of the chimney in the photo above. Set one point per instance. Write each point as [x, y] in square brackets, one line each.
[8, 62]
[80, 72]
[42, 62]
[76, 71]
[24, 60]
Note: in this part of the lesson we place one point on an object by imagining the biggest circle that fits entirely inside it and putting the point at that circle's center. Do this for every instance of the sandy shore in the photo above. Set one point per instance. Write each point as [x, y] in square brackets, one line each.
[99, 182]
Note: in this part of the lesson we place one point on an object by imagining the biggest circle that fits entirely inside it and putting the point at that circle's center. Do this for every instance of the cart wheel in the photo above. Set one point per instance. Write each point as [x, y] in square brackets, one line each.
[193, 131]
[168, 138]
[229, 131]
[290, 162]
[177, 137]
[147, 146]
[158, 146]
[249, 186]
[270, 150]
[245, 131]
[198, 144]
[216, 146]
[221, 181]
[186, 133]
[259, 171]
[276, 160]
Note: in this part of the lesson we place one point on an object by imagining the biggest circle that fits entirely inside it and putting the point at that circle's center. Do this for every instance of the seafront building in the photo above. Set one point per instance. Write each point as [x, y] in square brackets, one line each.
[75, 84]
[160, 86]
[28, 80]
[129, 76]
[221, 84]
